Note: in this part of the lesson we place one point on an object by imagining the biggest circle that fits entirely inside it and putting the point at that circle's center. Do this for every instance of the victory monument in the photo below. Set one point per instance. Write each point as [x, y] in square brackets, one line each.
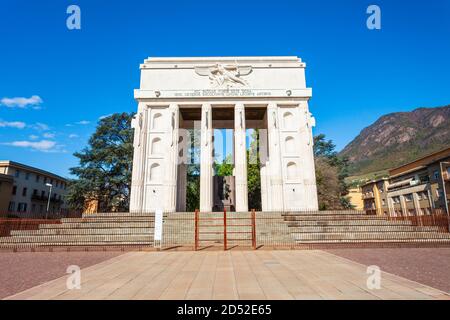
[239, 93]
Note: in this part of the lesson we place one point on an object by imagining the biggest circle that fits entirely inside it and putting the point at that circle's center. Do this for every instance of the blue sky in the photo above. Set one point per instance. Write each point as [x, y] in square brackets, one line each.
[71, 78]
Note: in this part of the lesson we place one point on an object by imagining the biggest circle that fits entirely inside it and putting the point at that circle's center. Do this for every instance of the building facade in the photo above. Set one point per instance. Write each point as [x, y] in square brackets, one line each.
[416, 188]
[28, 192]
[177, 95]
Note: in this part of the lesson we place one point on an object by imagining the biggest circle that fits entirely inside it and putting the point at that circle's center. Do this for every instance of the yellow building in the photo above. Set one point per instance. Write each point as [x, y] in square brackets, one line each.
[374, 196]
[355, 197]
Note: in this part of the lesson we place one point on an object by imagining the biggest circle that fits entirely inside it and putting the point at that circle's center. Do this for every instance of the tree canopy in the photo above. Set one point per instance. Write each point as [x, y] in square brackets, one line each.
[104, 170]
[331, 171]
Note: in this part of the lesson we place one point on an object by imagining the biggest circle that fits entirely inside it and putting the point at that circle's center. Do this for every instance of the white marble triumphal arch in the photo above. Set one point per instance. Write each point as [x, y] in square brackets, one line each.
[266, 93]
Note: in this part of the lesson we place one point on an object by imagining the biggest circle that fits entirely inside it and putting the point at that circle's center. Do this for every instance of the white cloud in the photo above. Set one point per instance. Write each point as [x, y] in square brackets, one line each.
[73, 136]
[33, 137]
[40, 126]
[43, 145]
[12, 124]
[49, 135]
[22, 102]
[83, 122]
[69, 125]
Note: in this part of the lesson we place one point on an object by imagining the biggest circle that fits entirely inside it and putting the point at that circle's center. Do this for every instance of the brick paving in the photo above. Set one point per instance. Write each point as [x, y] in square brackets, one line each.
[23, 270]
[430, 266]
[263, 274]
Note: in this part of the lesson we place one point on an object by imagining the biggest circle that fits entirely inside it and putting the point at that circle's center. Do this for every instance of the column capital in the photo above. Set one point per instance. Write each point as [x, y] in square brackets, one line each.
[239, 105]
[173, 106]
[272, 105]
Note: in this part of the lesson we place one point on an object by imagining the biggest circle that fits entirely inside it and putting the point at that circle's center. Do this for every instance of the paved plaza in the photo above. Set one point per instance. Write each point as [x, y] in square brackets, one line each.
[264, 274]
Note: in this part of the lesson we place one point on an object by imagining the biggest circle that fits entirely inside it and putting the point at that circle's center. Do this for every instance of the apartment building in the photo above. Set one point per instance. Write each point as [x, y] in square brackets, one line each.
[374, 196]
[416, 188]
[27, 189]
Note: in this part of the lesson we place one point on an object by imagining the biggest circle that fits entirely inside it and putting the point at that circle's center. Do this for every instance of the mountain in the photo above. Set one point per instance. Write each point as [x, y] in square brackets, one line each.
[398, 138]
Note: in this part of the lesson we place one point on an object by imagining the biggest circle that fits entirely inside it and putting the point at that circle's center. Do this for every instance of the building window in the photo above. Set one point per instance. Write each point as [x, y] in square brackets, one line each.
[45, 180]
[436, 175]
[408, 197]
[33, 208]
[42, 194]
[424, 195]
[41, 208]
[27, 175]
[383, 202]
[24, 192]
[12, 206]
[17, 175]
[14, 190]
[22, 207]
[37, 178]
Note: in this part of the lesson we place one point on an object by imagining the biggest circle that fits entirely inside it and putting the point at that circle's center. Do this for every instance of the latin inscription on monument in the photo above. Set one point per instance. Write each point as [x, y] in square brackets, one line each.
[223, 93]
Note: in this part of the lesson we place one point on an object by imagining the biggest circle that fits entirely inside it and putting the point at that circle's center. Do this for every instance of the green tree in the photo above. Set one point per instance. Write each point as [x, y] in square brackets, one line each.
[104, 171]
[331, 171]
[253, 173]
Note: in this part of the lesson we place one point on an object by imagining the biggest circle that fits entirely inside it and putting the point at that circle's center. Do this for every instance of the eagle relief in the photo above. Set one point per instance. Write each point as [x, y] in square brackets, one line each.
[225, 76]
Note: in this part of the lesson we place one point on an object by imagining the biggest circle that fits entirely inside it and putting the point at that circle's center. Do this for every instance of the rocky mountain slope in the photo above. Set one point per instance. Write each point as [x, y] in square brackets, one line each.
[397, 138]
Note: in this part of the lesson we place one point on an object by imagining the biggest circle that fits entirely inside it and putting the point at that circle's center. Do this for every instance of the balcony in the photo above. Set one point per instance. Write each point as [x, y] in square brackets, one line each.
[36, 197]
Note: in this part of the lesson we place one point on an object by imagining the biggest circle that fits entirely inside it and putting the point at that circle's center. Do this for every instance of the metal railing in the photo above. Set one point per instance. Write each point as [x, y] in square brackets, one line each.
[228, 229]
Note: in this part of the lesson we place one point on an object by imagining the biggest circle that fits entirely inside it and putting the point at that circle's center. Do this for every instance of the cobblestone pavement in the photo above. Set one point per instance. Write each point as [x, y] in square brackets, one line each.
[23, 270]
[430, 266]
[264, 274]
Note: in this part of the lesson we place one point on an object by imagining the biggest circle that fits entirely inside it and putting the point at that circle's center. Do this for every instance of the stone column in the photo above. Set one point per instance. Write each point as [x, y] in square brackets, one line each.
[403, 205]
[276, 177]
[416, 204]
[264, 170]
[206, 159]
[172, 159]
[181, 187]
[240, 159]
[139, 123]
[309, 171]
[390, 206]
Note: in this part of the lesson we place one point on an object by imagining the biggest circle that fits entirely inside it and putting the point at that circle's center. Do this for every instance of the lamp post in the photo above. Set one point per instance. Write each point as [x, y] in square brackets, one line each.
[48, 201]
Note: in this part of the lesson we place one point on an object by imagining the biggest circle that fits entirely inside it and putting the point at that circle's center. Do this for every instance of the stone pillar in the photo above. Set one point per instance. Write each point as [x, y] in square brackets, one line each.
[403, 205]
[275, 174]
[139, 123]
[309, 171]
[240, 159]
[172, 159]
[181, 187]
[206, 159]
[390, 206]
[264, 169]
[416, 204]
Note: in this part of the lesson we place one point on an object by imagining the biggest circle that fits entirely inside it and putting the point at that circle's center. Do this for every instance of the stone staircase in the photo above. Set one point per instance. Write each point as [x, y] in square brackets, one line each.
[273, 229]
[350, 227]
[102, 229]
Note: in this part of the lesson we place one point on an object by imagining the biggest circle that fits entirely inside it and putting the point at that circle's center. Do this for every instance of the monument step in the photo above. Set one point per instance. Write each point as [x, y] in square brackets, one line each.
[75, 238]
[98, 225]
[348, 223]
[370, 236]
[365, 228]
[84, 231]
[119, 244]
[107, 219]
[377, 241]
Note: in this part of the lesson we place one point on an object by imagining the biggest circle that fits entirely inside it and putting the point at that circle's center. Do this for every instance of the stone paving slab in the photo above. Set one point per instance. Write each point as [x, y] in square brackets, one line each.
[311, 274]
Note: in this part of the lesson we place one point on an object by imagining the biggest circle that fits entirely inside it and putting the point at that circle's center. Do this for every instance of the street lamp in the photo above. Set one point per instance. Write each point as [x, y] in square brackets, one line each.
[48, 201]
